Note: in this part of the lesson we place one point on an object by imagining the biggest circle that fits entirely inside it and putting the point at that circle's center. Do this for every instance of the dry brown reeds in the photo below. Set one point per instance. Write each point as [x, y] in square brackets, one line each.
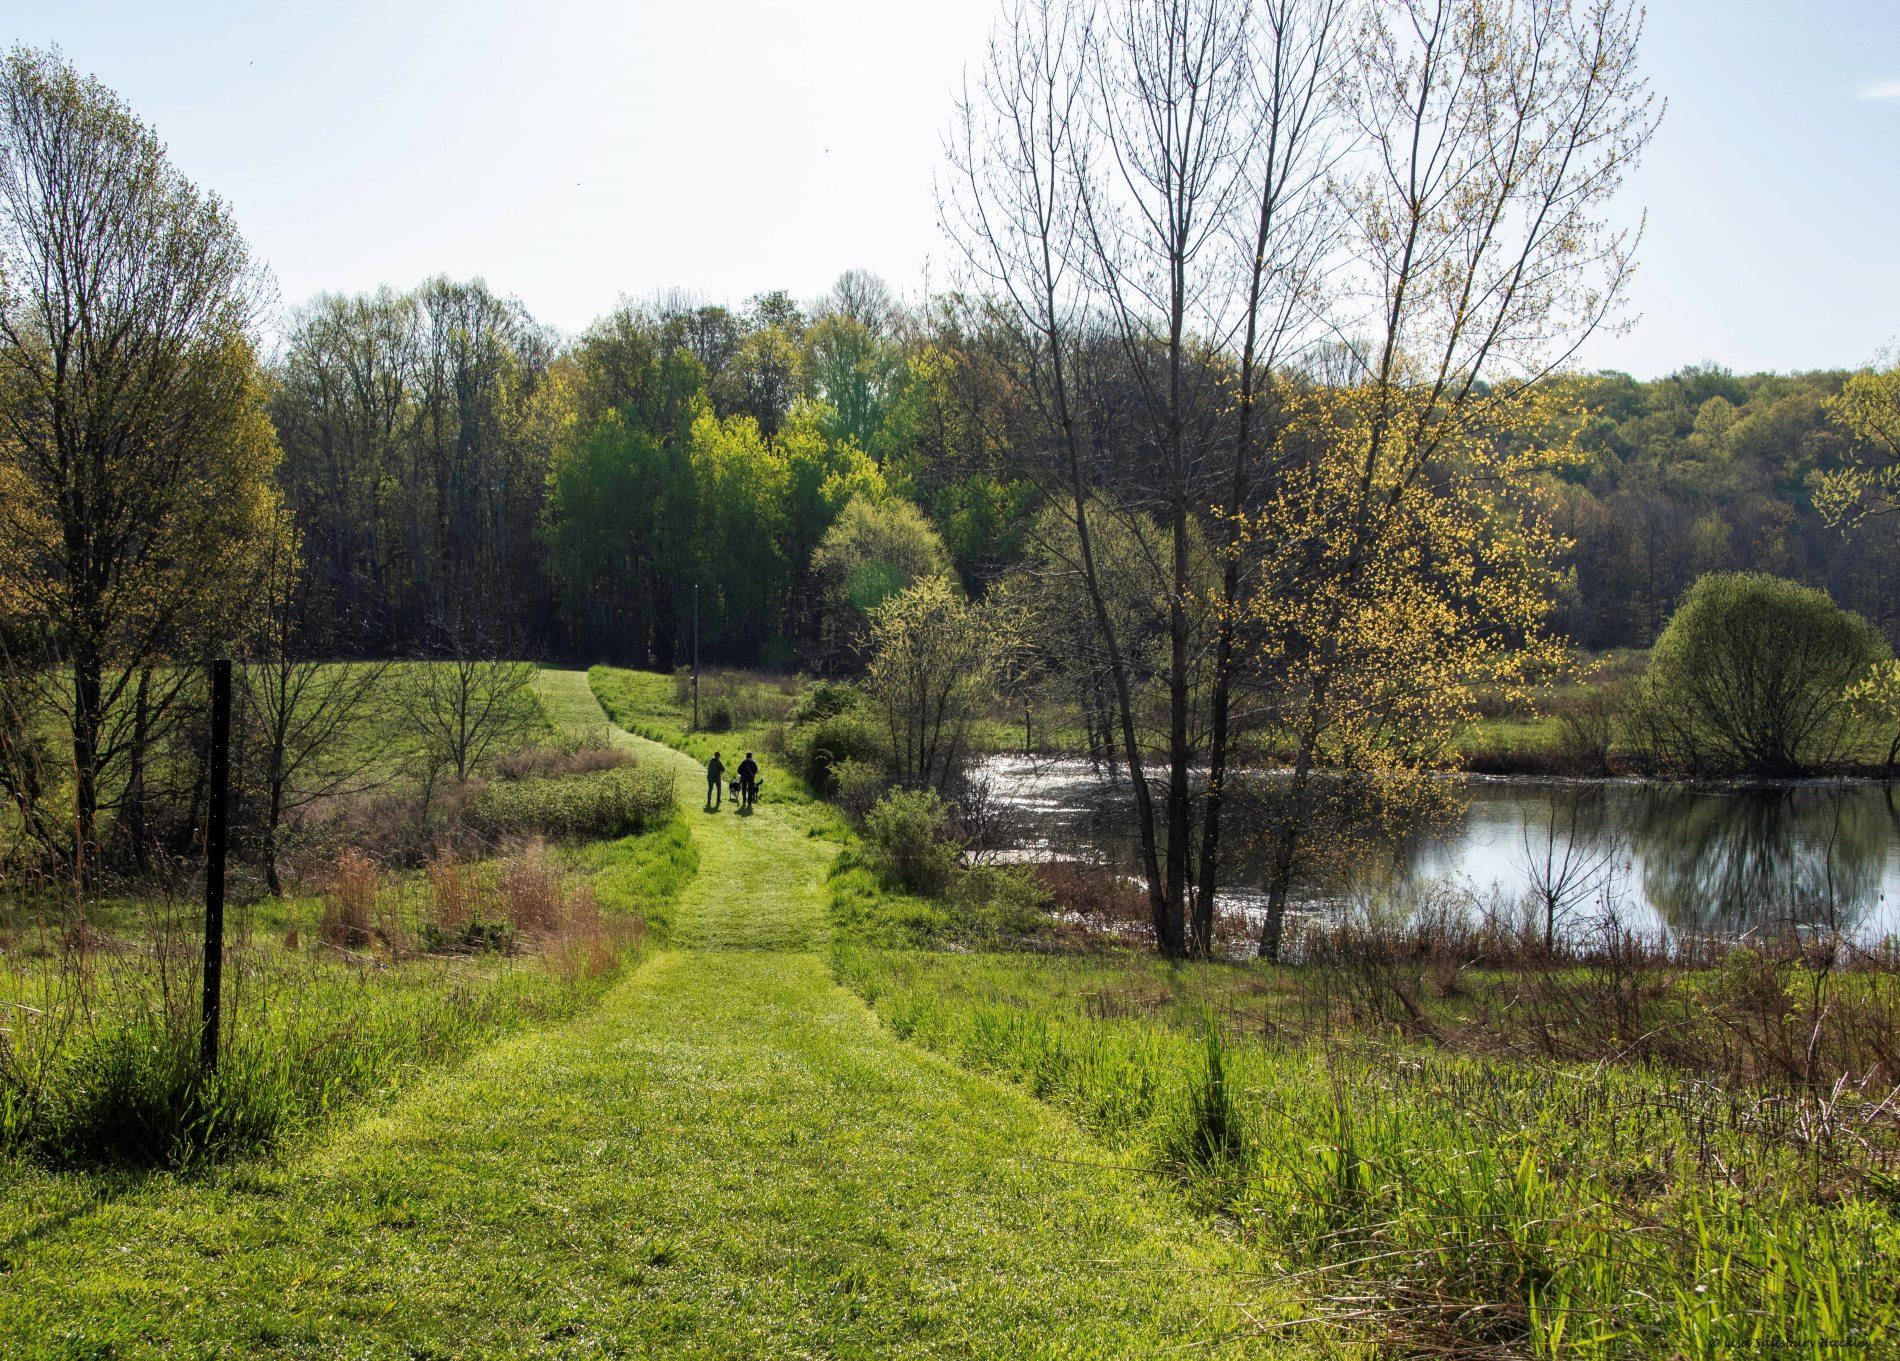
[350, 906]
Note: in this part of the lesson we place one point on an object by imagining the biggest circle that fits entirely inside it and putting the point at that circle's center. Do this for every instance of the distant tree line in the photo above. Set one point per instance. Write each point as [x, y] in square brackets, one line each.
[1254, 402]
[1706, 471]
[447, 458]
[450, 466]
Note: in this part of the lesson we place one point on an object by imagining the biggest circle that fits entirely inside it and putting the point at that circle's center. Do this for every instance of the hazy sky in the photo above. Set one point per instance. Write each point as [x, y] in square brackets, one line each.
[573, 150]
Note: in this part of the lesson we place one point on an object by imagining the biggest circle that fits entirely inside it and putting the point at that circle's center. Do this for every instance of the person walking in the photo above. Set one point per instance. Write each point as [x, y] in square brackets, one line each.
[715, 782]
[748, 780]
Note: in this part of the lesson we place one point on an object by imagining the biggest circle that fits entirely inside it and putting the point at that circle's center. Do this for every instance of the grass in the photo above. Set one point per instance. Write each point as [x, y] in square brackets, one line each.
[1574, 1210]
[329, 1001]
[727, 1156]
[965, 1151]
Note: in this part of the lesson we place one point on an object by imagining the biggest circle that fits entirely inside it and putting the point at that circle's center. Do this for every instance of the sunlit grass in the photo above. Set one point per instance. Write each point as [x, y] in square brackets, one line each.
[1574, 1210]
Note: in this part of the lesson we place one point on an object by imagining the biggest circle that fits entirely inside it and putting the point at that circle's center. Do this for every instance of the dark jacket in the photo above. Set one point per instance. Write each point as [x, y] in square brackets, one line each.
[714, 769]
[748, 770]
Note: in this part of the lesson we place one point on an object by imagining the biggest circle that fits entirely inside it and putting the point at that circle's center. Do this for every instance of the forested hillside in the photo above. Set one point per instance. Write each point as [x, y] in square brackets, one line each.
[1705, 471]
[455, 467]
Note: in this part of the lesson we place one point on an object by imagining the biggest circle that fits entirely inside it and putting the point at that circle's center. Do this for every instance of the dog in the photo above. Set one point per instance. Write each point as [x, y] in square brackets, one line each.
[736, 792]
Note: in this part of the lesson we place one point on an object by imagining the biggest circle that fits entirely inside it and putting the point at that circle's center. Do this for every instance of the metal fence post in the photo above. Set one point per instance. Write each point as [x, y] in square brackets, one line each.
[215, 826]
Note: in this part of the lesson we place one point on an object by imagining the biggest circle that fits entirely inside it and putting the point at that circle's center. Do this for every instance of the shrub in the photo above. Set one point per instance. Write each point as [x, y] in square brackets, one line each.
[1587, 729]
[856, 786]
[613, 803]
[909, 843]
[1094, 895]
[997, 902]
[816, 747]
[1752, 673]
[583, 756]
[824, 699]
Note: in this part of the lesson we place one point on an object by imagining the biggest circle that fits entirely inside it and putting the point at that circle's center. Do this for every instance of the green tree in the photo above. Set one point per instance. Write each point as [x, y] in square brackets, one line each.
[740, 480]
[765, 374]
[609, 538]
[137, 455]
[935, 663]
[623, 507]
[822, 475]
[869, 385]
[1752, 675]
[875, 549]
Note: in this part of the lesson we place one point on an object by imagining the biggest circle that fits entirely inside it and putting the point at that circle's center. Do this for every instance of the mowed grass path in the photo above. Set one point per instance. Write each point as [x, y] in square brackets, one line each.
[729, 1157]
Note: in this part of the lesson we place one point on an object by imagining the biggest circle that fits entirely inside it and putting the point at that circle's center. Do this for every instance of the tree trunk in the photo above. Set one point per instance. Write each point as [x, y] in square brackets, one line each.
[86, 722]
[134, 816]
[1286, 842]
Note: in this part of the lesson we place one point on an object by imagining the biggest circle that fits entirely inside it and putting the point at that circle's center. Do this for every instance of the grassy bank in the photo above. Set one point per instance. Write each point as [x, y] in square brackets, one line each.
[1449, 1200]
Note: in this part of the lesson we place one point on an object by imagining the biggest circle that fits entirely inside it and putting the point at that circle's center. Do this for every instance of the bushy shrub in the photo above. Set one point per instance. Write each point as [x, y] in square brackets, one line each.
[815, 748]
[983, 905]
[909, 841]
[577, 756]
[994, 902]
[823, 699]
[613, 803]
[715, 715]
[856, 786]
[1751, 675]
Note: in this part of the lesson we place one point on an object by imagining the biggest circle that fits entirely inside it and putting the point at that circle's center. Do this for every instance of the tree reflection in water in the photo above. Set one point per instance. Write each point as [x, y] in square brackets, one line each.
[1684, 858]
[1762, 859]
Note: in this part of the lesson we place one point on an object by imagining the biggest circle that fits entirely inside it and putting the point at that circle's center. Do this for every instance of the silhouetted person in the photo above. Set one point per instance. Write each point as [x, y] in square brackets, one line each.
[715, 781]
[748, 780]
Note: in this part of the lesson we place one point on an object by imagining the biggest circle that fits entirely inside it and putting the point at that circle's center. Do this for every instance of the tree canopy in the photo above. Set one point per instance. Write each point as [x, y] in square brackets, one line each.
[1753, 674]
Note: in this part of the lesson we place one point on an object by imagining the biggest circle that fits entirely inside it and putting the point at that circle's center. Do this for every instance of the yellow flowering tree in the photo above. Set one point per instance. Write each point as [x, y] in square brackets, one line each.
[1403, 563]
[1868, 407]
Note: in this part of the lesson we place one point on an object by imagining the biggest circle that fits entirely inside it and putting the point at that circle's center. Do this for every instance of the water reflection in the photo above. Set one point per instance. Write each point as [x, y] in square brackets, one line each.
[1698, 860]
[1763, 859]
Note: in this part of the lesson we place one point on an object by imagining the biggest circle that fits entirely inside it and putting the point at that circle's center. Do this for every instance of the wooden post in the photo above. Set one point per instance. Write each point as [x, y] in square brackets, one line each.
[215, 825]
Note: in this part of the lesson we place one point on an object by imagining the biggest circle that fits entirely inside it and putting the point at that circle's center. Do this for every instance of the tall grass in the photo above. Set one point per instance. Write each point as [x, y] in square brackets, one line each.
[608, 803]
[1460, 1203]
[384, 976]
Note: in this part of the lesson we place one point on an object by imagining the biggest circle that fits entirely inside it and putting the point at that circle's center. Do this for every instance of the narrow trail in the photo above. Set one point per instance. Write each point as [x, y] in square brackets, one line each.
[729, 1157]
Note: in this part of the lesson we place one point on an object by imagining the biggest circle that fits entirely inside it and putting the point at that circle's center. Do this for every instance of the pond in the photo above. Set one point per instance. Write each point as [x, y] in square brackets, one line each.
[1705, 860]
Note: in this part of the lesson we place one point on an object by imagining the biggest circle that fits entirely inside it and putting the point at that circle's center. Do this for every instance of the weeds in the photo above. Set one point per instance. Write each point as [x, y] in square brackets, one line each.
[1456, 1203]
[99, 1029]
[612, 803]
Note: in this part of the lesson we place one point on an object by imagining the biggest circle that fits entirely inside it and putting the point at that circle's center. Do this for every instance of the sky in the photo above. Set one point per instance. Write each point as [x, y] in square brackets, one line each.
[574, 151]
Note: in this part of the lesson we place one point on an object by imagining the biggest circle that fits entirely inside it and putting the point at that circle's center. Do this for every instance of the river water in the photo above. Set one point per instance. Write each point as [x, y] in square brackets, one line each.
[1707, 860]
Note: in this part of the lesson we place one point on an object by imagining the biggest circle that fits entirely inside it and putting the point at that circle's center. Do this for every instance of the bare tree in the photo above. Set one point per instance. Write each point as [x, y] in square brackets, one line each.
[1298, 64]
[1020, 138]
[465, 706]
[1139, 184]
[304, 721]
[1565, 865]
